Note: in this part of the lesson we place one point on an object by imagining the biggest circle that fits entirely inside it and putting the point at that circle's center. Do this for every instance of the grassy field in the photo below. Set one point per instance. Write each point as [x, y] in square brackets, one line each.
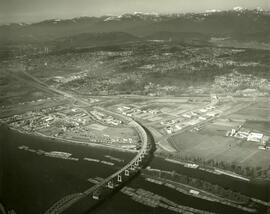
[14, 92]
[220, 148]
[263, 126]
[260, 111]
[33, 105]
[211, 141]
[17, 88]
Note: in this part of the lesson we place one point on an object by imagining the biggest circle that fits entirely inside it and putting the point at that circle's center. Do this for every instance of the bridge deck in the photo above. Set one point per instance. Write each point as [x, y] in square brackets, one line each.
[61, 205]
[143, 137]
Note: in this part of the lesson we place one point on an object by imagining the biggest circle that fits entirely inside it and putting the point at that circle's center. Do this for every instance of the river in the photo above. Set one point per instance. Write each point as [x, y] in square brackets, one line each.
[31, 183]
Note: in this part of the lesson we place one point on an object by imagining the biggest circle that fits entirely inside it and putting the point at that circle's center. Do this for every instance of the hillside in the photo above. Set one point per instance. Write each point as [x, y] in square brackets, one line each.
[94, 39]
[239, 24]
[177, 36]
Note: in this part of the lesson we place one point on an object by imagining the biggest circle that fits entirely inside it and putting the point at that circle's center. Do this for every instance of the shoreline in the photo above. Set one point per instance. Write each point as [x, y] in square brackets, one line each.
[207, 195]
[216, 171]
[73, 142]
[212, 170]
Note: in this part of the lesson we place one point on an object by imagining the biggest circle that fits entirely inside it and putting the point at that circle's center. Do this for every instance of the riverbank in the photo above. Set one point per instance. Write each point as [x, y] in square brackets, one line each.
[90, 144]
[195, 192]
[66, 177]
[43, 180]
[199, 184]
[210, 170]
[153, 200]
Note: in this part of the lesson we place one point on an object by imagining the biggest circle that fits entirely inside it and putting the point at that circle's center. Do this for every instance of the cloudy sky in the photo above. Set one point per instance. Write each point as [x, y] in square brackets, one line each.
[37, 10]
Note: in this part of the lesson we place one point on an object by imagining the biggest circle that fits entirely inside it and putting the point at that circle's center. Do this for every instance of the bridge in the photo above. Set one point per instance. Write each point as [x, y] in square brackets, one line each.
[110, 184]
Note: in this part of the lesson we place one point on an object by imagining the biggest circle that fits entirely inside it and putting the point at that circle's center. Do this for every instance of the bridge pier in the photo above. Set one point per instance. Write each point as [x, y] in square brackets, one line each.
[126, 172]
[119, 178]
[110, 185]
[95, 196]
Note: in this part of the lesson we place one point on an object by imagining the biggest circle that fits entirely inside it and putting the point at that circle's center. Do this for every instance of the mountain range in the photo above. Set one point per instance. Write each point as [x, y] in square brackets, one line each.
[239, 24]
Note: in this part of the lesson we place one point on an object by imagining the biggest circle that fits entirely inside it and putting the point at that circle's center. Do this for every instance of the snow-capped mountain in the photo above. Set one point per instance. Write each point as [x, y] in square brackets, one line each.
[135, 16]
[238, 8]
[238, 22]
[213, 11]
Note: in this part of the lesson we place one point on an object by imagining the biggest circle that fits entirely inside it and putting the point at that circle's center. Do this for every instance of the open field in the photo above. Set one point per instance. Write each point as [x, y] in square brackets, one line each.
[259, 111]
[219, 127]
[220, 149]
[7, 111]
[263, 126]
[211, 142]
[15, 89]
[97, 127]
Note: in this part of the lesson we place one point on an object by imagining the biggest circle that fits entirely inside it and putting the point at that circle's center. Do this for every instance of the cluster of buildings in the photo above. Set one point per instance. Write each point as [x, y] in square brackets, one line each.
[238, 81]
[125, 143]
[118, 139]
[107, 119]
[55, 120]
[71, 124]
[61, 79]
[122, 142]
[29, 121]
[246, 134]
[153, 89]
[134, 112]
[191, 118]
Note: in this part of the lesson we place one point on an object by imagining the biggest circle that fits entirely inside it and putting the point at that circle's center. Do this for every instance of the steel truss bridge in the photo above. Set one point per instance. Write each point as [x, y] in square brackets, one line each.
[109, 184]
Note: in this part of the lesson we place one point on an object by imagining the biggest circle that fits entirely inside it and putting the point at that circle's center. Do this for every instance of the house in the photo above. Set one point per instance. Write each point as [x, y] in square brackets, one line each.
[255, 137]
[202, 118]
[265, 139]
[194, 192]
[169, 130]
[203, 110]
[262, 148]
[178, 127]
[212, 114]
[241, 134]
[126, 107]
[186, 116]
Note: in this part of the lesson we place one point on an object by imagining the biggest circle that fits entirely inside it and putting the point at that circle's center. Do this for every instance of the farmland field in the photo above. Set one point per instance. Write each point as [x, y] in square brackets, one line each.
[259, 111]
[263, 126]
[211, 141]
[220, 148]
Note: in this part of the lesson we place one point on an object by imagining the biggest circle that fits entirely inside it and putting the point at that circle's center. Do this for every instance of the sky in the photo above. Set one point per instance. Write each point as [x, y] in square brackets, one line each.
[30, 11]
